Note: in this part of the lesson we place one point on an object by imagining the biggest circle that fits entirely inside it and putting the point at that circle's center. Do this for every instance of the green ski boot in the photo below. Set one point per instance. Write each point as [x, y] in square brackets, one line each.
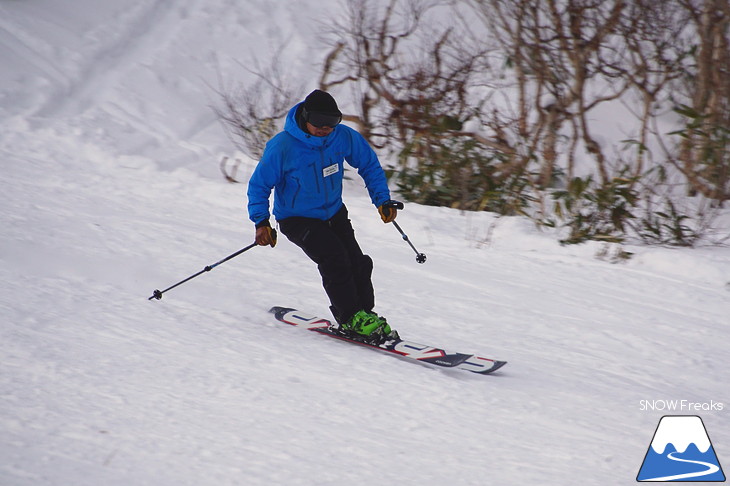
[386, 333]
[369, 325]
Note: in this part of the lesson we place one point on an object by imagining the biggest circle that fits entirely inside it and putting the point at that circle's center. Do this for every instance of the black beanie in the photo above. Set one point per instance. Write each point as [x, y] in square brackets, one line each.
[321, 102]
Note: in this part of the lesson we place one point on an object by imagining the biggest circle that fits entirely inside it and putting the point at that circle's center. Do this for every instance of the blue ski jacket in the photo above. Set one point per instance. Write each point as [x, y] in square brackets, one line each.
[306, 172]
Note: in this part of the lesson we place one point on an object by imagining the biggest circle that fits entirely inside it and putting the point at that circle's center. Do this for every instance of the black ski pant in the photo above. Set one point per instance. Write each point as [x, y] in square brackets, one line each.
[346, 272]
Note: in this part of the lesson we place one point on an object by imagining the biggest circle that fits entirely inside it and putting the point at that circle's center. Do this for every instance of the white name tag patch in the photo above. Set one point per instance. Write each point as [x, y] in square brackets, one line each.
[332, 169]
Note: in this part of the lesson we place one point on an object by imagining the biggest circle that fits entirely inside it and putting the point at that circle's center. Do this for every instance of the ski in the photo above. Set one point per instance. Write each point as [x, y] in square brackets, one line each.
[405, 349]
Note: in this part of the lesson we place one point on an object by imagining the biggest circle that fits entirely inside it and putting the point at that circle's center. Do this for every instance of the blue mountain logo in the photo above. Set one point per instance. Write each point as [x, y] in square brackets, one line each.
[681, 451]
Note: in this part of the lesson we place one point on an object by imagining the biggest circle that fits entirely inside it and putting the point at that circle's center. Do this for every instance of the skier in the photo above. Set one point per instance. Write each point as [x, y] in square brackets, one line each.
[305, 165]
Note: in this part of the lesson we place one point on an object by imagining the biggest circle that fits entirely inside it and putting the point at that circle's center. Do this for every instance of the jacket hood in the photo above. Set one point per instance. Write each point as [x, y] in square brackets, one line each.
[292, 127]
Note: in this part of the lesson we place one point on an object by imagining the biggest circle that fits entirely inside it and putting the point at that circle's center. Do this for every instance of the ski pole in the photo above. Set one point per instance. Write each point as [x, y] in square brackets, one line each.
[157, 294]
[420, 257]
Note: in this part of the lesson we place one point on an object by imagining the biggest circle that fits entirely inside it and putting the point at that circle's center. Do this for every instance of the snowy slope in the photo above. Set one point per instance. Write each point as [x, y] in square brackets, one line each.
[110, 189]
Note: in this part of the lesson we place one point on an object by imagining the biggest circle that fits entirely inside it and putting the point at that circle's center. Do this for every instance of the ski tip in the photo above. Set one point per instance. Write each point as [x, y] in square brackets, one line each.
[278, 309]
[497, 365]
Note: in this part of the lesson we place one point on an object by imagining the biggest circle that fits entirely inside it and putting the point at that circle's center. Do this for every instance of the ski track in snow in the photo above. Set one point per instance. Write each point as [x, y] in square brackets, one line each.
[111, 189]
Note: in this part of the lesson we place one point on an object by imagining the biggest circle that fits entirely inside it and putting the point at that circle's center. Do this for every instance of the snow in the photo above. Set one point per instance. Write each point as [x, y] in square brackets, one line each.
[110, 188]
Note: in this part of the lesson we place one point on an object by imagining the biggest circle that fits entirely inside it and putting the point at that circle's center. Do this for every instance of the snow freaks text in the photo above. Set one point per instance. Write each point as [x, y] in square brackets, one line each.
[680, 406]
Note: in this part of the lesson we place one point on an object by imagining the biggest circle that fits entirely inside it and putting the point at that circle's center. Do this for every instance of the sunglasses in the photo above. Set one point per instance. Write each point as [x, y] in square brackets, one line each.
[321, 120]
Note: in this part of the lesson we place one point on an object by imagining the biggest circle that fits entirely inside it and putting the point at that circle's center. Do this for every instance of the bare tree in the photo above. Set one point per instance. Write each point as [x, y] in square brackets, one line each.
[249, 113]
[556, 50]
[412, 72]
[704, 153]
[652, 56]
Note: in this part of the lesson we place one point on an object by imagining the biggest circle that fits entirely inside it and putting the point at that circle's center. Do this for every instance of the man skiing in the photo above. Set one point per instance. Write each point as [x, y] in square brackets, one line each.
[304, 164]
